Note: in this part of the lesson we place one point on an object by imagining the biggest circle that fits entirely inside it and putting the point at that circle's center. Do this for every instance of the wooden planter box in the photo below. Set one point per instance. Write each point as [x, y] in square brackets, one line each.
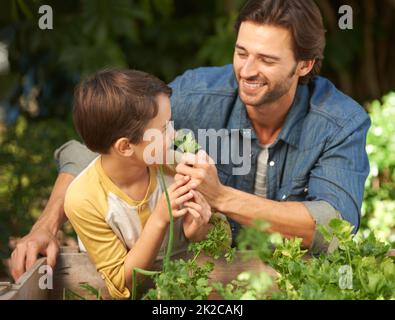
[74, 268]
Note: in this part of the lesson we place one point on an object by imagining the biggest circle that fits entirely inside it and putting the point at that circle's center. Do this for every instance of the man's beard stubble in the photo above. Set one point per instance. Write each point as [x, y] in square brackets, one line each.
[279, 90]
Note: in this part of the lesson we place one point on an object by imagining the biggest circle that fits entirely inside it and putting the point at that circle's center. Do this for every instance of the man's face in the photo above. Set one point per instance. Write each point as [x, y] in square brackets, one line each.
[264, 63]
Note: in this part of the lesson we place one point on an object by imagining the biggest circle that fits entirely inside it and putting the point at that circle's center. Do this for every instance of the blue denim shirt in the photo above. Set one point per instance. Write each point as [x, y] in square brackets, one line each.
[318, 156]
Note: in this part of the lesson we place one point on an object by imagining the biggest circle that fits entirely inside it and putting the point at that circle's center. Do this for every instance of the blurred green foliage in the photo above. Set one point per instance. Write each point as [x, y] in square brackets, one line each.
[167, 37]
[27, 172]
[378, 210]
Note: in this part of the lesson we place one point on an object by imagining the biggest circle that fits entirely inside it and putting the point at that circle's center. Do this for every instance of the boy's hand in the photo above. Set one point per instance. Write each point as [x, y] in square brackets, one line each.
[196, 221]
[179, 192]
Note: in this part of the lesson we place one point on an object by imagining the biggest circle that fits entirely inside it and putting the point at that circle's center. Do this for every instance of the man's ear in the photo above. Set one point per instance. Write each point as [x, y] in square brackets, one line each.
[305, 67]
[123, 147]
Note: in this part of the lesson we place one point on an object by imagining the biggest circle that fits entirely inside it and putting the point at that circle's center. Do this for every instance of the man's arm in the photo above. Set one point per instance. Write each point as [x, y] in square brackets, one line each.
[291, 219]
[42, 237]
[72, 158]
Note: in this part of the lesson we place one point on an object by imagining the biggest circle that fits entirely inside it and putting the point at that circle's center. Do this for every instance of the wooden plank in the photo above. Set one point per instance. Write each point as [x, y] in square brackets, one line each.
[4, 287]
[27, 286]
[72, 270]
[225, 272]
[69, 250]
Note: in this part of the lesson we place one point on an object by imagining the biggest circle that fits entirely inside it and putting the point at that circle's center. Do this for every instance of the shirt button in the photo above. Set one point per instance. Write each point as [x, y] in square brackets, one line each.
[271, 163]
[306, 189]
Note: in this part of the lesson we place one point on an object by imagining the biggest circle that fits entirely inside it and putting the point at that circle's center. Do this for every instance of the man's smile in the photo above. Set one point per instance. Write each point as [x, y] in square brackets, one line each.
[252, 86]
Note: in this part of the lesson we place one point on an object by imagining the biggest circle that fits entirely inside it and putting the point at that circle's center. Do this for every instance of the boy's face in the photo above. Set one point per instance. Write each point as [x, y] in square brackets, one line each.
[158, 135]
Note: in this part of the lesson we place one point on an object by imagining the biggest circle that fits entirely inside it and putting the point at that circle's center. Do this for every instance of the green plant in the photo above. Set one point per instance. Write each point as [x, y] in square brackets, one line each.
[186, 279]
[217, 243]
[247, 286]
[182, 280]
[359, 269]
[185, 142]
[69, 294]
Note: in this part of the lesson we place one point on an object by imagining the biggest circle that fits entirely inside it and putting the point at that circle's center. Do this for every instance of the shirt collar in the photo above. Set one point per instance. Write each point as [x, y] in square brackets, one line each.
[293, 125]
[292, 129]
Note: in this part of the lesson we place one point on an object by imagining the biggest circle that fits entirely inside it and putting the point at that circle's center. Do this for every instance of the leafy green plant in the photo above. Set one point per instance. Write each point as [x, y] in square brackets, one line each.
[257, 241]
[217, 243]
[182, 280]
[370, 271]
[247, 286]
[186, 279]
[185, 143]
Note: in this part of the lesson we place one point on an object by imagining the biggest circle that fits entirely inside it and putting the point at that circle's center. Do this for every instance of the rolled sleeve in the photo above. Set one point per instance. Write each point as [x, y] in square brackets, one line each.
[339, 176]
[322, 213]
[73, 157]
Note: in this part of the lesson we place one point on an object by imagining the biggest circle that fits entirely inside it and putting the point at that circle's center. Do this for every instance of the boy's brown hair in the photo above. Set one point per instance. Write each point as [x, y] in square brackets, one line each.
[112, 104]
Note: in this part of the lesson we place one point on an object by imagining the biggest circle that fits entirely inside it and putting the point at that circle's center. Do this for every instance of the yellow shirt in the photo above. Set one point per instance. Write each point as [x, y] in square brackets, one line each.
[108, 222]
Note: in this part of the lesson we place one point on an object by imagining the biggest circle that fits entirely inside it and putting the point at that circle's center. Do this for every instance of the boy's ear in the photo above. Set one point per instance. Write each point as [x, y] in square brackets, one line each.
[123, 147]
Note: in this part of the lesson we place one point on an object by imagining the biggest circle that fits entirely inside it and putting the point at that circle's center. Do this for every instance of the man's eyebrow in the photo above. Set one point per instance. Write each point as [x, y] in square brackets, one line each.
[263, 55]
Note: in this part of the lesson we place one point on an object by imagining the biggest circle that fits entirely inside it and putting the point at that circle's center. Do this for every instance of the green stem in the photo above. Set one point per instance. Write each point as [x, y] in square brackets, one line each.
[171, 232]
[349, 257]
[134, 281]
[196, 255]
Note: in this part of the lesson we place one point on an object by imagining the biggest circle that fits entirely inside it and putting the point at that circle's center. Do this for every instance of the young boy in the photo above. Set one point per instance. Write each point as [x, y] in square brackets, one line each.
[116, 205]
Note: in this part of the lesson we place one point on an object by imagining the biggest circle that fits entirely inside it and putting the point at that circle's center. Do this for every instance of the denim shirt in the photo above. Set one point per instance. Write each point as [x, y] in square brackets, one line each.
[319, 154]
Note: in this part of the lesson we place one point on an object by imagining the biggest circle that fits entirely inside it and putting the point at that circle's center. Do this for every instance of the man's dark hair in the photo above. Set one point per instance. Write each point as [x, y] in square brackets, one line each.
[301, 17]
[112, 104]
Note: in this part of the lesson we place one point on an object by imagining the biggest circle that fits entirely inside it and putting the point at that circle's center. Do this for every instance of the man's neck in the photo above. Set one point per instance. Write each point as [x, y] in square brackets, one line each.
[269, 119]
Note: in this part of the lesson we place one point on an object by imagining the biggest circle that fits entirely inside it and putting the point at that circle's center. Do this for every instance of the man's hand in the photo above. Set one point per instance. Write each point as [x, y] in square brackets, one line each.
[202, 170]
[42, 238]
[196, 221]
[38, 241]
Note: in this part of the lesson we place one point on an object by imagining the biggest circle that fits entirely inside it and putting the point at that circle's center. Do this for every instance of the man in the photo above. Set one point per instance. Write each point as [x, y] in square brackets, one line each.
[308, 159]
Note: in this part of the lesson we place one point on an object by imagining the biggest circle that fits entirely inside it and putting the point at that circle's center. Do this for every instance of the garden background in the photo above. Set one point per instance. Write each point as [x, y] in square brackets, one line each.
[39, 69]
